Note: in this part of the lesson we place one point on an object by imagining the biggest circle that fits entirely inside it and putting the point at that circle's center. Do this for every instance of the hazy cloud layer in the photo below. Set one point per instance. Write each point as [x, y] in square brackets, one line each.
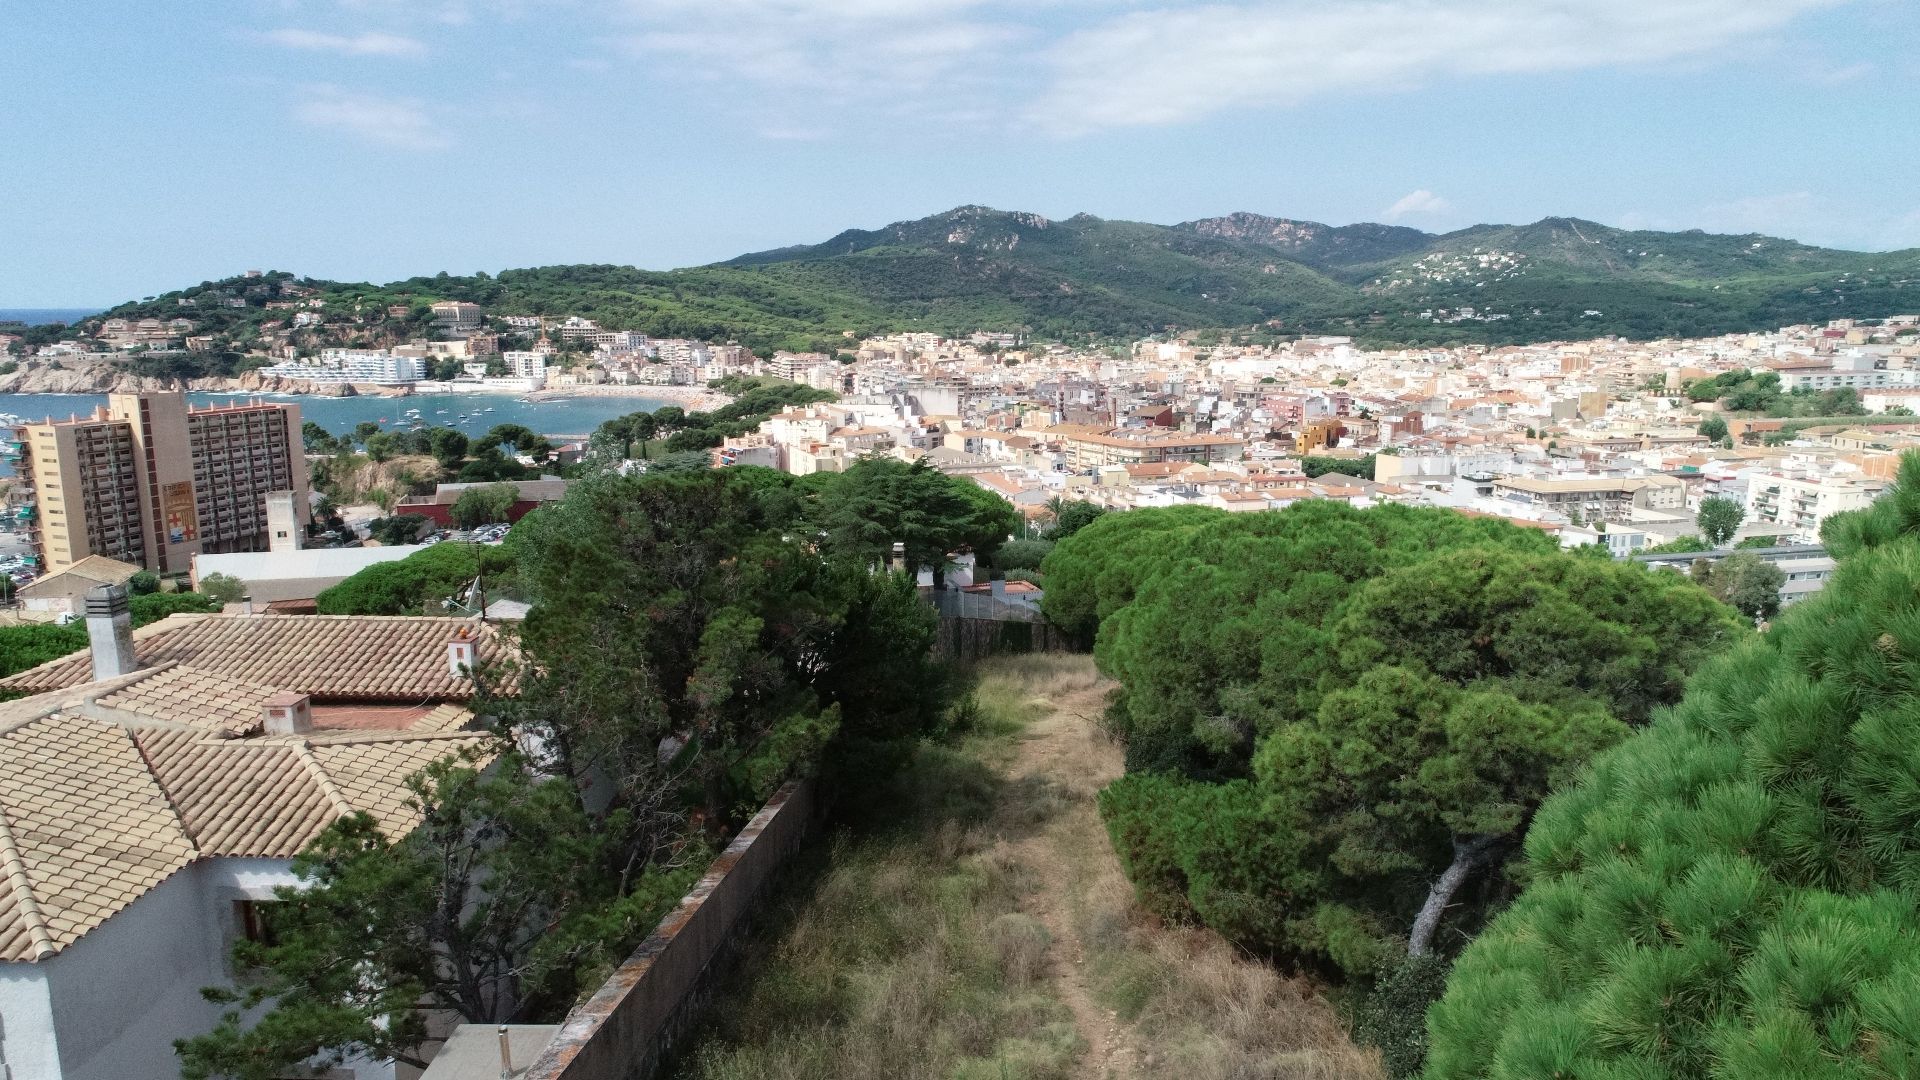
[370, 43]
[1077, 66]
[820, 69]
[1071, 66]
[1169, 64]
[403, 123]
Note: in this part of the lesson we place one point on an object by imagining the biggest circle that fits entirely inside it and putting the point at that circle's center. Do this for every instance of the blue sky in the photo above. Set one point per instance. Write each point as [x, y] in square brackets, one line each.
[150, 146]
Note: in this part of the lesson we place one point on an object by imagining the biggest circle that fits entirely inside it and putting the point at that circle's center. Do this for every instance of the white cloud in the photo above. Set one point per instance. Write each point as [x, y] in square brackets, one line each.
[805, 64]
[1071, 66]
[371, 43]
[875, 45]
[397, 122]
[1420, 203]
[1173, 64]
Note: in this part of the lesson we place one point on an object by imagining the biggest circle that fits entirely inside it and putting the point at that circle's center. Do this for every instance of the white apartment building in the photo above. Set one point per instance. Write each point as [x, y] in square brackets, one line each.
[526, 364]
[1799, 504]
[681, 351]
[1842, 379]
[577, 327]
[336, 366]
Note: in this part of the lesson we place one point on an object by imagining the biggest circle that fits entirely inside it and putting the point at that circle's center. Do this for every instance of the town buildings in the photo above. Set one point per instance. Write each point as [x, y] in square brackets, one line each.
[151, 480]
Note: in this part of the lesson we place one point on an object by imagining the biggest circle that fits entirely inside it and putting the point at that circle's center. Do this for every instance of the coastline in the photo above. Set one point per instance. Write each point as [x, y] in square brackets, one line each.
[691, 398]
[35, 378]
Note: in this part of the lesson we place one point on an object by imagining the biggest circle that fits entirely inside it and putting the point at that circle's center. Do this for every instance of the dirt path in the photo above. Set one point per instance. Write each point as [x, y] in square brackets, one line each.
[996, 936]
[1065, 752]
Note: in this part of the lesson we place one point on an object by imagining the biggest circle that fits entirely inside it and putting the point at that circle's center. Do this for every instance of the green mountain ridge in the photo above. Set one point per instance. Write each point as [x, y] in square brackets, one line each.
[1085, 277]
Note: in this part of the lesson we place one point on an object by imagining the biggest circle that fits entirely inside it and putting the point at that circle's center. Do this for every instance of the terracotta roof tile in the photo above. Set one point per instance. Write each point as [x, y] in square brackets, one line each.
[187, 694]
[94, 814]
[341, 656]
[86, 829]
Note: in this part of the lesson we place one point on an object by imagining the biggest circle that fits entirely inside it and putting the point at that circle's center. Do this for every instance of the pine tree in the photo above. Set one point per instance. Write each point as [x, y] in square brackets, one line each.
[1734, 892]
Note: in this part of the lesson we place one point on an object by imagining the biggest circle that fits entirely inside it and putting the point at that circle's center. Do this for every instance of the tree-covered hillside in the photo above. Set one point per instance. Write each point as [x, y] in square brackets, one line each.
[974, 268]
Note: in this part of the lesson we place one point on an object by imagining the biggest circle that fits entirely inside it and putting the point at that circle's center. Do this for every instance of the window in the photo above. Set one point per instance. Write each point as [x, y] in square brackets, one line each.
[254, 920]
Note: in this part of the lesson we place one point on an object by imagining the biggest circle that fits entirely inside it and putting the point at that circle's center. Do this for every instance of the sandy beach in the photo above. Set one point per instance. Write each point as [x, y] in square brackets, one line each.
[690, 398]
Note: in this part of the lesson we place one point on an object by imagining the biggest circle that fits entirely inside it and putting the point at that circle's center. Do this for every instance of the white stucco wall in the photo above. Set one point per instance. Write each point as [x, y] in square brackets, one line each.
[109, 1006]
[125, 991]
[26, 1023]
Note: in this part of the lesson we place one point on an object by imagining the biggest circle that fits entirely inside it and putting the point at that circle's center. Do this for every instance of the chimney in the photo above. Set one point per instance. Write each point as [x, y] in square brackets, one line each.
[460, 653]
[999, 588]
[288, 713]
[110, 632]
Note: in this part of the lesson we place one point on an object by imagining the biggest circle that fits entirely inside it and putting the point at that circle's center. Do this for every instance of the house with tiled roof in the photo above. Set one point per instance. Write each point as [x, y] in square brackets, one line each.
[155, 789]
[61, 592]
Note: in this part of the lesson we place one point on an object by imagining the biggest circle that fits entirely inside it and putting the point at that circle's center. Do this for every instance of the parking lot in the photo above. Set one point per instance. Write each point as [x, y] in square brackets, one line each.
[14, 553]
[485, 534]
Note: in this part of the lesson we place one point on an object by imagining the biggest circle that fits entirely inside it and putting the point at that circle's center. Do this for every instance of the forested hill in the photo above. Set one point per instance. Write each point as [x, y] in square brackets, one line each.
[975, 268]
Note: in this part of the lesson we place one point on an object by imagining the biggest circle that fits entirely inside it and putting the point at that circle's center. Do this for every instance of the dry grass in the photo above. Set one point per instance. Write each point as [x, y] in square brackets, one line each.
[1031, 683]
[905, 953]
[1194, 1007]
[989, 934]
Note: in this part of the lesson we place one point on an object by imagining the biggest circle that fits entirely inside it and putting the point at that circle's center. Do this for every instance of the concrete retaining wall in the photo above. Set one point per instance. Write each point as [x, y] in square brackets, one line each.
[631, 1023]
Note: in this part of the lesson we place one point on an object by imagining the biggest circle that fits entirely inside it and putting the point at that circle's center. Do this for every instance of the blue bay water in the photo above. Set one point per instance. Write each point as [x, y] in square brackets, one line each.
[39, 316]
[575, 416]
[553, 416]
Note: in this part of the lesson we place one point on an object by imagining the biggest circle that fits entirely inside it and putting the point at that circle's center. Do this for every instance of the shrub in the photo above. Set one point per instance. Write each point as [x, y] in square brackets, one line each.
[1022, 554]
[399, 530]
[416, 584]
[156, 606]
[222, 588]
[1392, 1013]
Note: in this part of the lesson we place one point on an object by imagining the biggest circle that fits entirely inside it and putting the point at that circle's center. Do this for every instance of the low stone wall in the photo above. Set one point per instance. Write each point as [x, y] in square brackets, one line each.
[975, 639]
[630, 1024]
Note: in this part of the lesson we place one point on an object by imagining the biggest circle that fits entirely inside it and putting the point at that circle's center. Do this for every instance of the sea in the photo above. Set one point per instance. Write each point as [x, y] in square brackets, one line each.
[36, 316]
[471, 414]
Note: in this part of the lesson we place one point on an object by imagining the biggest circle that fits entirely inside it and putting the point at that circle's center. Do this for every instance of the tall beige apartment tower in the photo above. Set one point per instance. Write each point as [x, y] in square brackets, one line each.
[151, 480]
